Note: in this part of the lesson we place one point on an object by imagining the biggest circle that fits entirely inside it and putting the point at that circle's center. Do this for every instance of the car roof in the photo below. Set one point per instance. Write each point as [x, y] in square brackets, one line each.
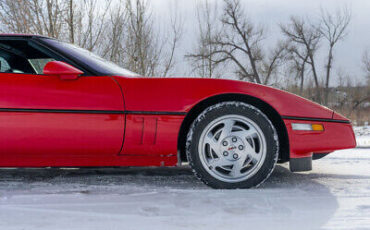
[21, 35]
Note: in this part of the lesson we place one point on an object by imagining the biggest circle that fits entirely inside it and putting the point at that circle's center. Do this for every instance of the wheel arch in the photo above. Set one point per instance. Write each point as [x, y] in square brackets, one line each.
[267, 109]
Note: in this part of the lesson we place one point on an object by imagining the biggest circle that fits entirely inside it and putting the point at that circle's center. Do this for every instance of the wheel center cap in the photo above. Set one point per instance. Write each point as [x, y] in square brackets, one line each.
[231, 148]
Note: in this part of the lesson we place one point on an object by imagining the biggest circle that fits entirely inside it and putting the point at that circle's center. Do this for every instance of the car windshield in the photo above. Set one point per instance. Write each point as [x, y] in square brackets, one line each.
[90, 59]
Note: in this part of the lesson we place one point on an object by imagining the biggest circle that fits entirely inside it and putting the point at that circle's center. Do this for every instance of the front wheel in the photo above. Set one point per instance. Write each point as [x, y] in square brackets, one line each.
[232, 145]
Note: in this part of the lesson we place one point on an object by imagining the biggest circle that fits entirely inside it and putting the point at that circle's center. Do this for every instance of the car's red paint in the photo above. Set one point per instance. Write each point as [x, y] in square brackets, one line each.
[154, 135]
[62, 70]
[131, 121]
[193, 91]
[62, 139]
[182, 94]
[334, 137]
[31, 135]
[337, 116]
[26, 91]
[57, 138]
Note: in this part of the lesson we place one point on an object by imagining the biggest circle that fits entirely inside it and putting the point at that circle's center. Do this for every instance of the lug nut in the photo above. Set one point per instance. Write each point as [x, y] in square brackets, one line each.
[224, 143]
[235, 156]
[234, 139]
[226, 153]
[241, 147]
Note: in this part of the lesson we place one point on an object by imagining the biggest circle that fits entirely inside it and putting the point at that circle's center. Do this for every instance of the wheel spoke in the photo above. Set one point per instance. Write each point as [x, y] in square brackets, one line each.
[209, 139]
[245, 133]
[251, 152]
[219, 162]
[226, 130]
[238, 166]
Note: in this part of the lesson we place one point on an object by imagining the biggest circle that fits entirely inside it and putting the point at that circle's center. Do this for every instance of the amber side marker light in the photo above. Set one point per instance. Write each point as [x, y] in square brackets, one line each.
[307, 127]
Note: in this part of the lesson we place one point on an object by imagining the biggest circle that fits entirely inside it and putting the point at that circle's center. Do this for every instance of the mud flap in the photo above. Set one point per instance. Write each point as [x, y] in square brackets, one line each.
[300, 164]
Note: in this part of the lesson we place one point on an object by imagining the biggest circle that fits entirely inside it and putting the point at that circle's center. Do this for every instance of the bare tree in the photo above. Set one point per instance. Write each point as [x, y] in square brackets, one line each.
[79, 22]
[304, 37]
[89, 22]
[114, 48]
[44, 17]
[142, 54]
[54, 16]
[172, 41]
[147, 53]
[71, 20]
[274, 59]
[14, 16]
[122, 31]
[366, 97]
[333, 29]
[239, 42]
[299, 60]
[366, 64]
[356, 97]
[203, 57]
[352, 97]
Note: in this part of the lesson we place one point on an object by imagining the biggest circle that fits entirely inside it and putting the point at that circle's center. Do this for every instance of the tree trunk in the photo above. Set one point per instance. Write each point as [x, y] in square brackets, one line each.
[49, 6]
[316, 79]
[71, 22]
[328, 71]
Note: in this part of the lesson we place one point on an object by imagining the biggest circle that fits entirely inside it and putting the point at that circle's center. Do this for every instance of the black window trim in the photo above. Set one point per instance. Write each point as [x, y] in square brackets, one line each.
[68, 59]
[65, 57]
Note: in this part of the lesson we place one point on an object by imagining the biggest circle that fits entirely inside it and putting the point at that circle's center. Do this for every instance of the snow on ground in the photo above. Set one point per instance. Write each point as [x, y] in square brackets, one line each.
[362, 136]
[362, 130]
[335, 195]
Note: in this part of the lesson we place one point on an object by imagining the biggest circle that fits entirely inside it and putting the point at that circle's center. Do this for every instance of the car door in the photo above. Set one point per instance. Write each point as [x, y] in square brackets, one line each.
[46, 121]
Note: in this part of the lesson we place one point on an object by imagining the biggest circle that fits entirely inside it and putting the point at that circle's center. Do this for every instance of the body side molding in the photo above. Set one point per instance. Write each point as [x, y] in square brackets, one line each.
[91, 111]
[314, 119]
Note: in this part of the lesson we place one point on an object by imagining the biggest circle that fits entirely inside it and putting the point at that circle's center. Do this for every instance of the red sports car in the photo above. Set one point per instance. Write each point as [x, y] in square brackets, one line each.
[62, 106]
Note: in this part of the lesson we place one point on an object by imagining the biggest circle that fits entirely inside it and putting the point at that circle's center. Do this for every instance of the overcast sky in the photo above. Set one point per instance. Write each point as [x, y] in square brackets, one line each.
[271, 12]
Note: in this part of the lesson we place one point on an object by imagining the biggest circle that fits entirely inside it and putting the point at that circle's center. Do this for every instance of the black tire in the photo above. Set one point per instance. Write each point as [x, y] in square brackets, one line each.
[240, 109]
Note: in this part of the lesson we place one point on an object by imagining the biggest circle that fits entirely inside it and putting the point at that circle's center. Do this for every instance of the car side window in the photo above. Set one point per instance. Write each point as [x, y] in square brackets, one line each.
[39, 64]
[20, 56]
[4, 65]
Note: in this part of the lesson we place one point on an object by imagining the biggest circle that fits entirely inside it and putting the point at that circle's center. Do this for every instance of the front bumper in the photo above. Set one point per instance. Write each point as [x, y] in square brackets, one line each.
[336, 136]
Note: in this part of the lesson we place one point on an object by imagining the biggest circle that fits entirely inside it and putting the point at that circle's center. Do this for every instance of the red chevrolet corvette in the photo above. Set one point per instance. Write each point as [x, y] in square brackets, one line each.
[62, 106]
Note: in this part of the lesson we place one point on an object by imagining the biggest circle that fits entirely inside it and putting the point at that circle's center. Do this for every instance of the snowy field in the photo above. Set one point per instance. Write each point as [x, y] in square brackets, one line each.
[335, 195]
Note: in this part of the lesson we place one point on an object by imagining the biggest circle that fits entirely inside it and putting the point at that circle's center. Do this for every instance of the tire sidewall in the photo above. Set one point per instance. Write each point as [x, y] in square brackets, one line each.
[232, 108]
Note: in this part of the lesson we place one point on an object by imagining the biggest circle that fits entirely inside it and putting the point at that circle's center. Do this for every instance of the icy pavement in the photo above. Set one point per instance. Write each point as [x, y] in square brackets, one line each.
[335, 195]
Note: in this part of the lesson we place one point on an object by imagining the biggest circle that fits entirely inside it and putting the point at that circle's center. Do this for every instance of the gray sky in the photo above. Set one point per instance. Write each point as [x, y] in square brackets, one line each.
[271, 12]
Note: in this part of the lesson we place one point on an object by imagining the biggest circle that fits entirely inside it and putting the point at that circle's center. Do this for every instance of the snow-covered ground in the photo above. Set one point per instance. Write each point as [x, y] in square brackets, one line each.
[335, 195]
[362, 136]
